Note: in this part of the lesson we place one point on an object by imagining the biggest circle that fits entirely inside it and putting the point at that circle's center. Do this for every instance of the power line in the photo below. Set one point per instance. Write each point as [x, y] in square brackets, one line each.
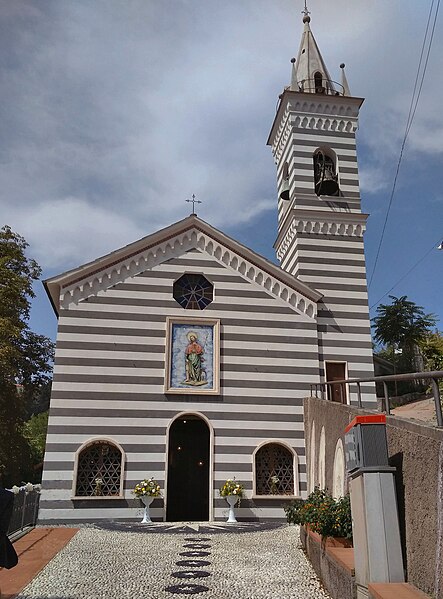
[406, 274]
[412, 110]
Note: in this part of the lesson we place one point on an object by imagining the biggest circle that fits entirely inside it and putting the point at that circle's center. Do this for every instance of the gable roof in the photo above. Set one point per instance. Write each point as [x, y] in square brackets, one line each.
[158, 247]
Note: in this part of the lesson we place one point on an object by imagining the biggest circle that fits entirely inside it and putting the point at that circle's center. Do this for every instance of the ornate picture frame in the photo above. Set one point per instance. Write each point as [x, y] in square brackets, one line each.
[192, 365]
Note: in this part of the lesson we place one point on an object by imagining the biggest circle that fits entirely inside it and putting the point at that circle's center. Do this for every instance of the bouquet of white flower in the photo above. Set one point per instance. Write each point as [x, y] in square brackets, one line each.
[148, 487]
[232, 487]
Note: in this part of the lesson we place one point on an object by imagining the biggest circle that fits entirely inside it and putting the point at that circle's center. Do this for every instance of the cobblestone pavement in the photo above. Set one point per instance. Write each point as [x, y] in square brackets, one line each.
[259, 562]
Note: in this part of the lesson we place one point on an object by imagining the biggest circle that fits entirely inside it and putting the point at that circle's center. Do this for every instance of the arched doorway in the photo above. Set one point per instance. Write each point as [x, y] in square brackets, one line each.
[188, 470]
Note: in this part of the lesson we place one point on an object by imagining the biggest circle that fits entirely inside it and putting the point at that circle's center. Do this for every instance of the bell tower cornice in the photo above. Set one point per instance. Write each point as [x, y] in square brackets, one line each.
[328, 112]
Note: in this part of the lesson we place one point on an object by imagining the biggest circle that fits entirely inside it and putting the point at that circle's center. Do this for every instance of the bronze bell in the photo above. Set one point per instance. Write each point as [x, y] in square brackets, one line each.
[328, 186]
[284, 194]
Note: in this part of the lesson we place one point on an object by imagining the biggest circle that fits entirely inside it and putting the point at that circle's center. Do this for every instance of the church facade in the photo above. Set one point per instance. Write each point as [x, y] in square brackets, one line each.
[185, 356]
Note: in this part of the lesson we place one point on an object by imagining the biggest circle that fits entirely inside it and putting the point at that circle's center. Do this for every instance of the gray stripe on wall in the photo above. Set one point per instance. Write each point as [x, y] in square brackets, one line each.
[328, 273]
[341, 343]
[320, 249]
[149, 317]
[152, 380]
[334, 261]
[330, 328]
[160, 448]
[259, 368]
[352, 159]
[333, 314]
[106, 430]
[195, 399]
[305, 133]
[122, 413]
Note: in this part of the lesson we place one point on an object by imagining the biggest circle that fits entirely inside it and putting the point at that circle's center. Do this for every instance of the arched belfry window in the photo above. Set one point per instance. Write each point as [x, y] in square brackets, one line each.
[284, 194]
[318, 83]
[325, 176]
[193, 292]
[274, 470]
[99, 470]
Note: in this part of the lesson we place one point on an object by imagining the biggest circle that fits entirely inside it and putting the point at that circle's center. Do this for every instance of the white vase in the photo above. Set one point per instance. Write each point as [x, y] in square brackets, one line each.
[232, 500]
[147, 500]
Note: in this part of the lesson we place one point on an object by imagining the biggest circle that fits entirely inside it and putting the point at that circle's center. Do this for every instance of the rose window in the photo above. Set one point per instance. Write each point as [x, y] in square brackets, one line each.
[193, 292]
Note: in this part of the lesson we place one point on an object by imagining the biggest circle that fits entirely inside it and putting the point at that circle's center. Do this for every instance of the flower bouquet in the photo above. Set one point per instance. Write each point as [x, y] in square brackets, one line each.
[148, 487]
[147, 490]
[232, 487]
[232, 491]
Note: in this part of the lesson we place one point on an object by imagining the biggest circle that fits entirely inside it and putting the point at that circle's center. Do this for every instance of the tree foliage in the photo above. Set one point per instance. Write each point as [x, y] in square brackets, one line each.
[25, 357]
[402, 323]
[400, 328]
[35, 433]
[432, 349]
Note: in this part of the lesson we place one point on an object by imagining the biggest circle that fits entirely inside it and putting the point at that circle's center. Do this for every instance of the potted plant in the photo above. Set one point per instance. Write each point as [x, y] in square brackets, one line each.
[147, 490]
[232, 491]
[324, 515]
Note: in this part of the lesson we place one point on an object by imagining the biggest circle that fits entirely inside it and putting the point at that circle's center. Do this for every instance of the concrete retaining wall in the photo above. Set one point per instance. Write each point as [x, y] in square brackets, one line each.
[416, 450]
[335, 571]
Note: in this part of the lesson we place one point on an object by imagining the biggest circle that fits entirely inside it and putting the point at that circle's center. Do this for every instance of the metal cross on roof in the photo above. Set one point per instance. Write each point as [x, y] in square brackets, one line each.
[305, 10]
[194, 202]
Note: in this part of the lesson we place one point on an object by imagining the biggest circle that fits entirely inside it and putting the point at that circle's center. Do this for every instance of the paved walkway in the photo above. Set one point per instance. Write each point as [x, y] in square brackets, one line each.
[158, 561]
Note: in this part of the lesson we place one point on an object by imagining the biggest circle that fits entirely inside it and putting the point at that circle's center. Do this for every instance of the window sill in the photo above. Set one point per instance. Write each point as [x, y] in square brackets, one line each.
[96, 497]
[276, 497]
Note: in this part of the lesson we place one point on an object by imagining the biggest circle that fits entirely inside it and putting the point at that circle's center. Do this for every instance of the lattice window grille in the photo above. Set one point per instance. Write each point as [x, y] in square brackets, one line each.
[99, 470]
[274, 460]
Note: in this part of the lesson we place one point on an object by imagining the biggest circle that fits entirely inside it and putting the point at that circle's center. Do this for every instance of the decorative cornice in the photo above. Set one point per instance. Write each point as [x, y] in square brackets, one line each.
[319, 223]
[248, 265]
[330, 107]
[324, 123]
[290, 122]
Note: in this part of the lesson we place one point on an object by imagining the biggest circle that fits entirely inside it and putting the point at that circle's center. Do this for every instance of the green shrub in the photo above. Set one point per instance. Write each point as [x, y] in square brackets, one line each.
[294, 511]
[325, 515]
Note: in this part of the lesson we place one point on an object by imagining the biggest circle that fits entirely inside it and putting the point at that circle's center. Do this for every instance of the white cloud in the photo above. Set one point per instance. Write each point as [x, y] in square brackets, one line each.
[72, 231]
[113, 113]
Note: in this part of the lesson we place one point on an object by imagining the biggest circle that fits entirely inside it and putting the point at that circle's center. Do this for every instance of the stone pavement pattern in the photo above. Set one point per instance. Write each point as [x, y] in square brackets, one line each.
[106, 564]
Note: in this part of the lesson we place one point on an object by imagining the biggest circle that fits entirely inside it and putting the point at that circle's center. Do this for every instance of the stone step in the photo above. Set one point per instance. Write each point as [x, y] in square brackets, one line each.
[395, 590]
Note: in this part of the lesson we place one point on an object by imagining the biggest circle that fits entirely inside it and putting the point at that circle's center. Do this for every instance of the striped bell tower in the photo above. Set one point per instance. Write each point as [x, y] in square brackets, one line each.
[320, 223]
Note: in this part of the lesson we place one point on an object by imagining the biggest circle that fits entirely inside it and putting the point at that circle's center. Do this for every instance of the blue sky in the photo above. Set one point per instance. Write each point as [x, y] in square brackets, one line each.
[113, 113]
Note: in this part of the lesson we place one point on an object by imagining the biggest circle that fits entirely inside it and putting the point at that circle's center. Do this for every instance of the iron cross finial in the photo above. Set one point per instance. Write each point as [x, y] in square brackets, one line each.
[305, 11]
[194, 202]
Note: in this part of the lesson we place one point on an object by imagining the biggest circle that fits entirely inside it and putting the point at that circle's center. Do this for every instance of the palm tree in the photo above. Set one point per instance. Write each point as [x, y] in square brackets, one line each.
[400, 327]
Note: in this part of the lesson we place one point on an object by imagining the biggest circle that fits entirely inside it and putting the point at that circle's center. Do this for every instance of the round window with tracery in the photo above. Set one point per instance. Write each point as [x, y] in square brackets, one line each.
[193, 292]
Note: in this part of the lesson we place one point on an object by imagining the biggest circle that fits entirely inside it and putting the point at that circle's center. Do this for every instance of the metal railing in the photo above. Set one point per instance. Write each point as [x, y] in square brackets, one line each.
[325, 86]
[25, 510]
[433, 377]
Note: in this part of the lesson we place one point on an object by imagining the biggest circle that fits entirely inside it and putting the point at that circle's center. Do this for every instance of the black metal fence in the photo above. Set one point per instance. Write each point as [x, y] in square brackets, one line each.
[25, 508]
[433, 378]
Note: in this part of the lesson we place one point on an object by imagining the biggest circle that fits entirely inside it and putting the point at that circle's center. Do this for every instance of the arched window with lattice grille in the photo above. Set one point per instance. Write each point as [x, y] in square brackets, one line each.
[275, 470]
[99, 471]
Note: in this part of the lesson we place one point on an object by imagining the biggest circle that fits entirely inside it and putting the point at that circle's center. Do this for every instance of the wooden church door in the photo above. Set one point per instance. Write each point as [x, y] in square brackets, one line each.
[188, 470]
[336, 371]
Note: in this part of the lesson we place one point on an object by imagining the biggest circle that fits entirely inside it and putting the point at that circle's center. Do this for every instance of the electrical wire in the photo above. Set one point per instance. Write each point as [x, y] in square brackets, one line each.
[412, 110]
[407, 273]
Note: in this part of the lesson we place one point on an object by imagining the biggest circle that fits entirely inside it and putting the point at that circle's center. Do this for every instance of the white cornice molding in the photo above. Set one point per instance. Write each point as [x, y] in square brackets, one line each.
[273, 280]
[290, 122]
[338, 108]
[320, 223]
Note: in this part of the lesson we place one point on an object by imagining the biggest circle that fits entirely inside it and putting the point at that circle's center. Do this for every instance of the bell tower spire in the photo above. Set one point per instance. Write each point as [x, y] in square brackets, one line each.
[309, 71]
[320, 224]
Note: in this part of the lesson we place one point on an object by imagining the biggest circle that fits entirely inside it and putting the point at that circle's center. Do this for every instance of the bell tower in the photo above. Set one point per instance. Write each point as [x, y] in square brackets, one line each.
[320, 223]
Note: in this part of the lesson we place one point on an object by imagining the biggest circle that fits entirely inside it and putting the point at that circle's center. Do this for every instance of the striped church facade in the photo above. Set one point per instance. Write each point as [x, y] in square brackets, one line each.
[110, 369]
[282, 328]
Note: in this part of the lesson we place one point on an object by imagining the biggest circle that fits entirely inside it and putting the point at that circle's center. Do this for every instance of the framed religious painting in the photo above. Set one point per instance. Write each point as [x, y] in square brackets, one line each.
[192, 356]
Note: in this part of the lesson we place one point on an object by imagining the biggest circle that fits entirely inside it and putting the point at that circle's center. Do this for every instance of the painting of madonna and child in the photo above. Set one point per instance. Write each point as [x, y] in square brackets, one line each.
[192, 364]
